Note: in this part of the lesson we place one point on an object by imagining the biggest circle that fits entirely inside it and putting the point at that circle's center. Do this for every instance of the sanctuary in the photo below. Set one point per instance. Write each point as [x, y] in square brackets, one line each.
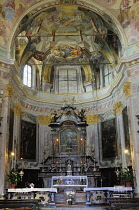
[69, 95]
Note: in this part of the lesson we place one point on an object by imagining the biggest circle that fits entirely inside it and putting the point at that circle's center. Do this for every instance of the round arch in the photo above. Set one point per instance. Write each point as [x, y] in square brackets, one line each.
[95, 7]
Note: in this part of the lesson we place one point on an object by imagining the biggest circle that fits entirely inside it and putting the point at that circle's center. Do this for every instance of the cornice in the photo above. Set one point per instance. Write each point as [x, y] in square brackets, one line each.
[80, 98]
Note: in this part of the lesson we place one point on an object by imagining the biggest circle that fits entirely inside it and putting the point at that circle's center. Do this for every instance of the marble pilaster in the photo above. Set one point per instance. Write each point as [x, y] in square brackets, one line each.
[132, 106]
[4, 143]
[44, 142]
[120, 129]
[92, 143]
[16, 131]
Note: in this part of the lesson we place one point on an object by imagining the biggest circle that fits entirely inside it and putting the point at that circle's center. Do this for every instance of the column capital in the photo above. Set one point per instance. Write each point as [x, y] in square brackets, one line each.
[9, 90]
[17, 109]
[118, 107]
[127, 89]
[44, 120]
[92, 119]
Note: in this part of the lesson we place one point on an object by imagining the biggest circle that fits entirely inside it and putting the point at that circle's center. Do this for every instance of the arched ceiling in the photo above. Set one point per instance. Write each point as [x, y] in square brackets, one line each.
[66, 25]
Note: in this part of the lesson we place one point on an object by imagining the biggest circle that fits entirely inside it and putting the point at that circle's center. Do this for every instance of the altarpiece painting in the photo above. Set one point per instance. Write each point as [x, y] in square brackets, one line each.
[109, 142]
[28, 140]
[68, 140]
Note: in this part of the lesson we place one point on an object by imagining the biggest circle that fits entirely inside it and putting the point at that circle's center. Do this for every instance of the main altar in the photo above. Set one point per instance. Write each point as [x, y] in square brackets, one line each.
[69, 156]
[70, 168]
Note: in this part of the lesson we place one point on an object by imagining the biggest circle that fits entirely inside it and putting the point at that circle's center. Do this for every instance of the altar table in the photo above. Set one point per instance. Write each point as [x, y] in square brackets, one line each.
[99, 194]
[34, 193]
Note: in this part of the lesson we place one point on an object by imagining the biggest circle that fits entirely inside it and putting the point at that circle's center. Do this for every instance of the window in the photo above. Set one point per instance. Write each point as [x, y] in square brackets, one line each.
[67, 81]
[27, 78]
[107, 75]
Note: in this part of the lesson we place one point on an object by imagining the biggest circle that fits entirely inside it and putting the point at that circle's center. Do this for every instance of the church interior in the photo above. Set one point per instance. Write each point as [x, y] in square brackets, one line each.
[69, 115]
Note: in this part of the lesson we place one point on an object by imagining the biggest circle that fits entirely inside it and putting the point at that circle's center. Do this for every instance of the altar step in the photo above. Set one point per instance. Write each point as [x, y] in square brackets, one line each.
[76, 207]
[80, 198]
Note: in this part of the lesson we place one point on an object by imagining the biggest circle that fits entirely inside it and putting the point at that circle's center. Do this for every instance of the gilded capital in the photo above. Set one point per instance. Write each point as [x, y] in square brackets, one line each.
[9, 90]
[44, 120]
[92, 119]
[118, 107]
[17, 109]
[127, 89]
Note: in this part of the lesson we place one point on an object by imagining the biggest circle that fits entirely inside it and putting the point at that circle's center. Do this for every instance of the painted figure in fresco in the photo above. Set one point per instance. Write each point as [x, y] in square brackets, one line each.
[2, 13]
[58, 52]
[4, 32]
[20, 9]
[65, 53]
[124, 13]
[76, 52]
[9, 8]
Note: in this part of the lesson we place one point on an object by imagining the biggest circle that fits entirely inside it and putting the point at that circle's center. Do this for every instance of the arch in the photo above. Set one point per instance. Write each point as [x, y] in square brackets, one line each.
[95, 7]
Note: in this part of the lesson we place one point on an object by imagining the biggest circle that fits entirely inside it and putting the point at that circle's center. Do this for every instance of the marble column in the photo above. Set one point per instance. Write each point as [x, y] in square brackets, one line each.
[120, 129]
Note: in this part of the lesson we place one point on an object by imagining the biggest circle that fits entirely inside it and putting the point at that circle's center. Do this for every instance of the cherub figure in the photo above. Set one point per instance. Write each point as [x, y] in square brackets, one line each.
[54, 116]
[82, 115]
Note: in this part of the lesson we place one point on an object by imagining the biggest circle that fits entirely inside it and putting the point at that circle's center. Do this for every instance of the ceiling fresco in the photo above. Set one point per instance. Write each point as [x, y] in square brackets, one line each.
[125, 11]
[57, 34]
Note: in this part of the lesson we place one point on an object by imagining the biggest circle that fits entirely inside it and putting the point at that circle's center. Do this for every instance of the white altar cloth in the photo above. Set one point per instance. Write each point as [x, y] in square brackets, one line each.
[116, 188]
[23, 190]
[69, 181]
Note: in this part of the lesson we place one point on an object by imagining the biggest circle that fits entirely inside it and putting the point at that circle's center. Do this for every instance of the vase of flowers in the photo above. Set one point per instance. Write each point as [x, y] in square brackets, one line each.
[127, 176]
[59, 180]
[31, 185]
[13, 178]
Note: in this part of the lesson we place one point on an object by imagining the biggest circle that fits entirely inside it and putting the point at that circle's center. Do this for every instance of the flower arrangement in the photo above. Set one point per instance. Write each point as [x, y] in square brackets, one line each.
[31, 185]
[59, 180]
[70, 198]
[127, 175]
[13, 177]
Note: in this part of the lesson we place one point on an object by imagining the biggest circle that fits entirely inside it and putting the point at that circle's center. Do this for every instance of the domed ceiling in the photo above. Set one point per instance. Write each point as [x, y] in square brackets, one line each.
[66, 33]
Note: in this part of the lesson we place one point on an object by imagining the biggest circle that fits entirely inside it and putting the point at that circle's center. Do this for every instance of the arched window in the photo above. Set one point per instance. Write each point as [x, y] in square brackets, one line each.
[27, 75]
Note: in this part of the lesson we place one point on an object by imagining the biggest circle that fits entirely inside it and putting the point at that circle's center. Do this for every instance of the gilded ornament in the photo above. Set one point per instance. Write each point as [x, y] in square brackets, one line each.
[17, 109]
[92, 119]
[118, 107]
[44, 120]
[127, 89]
[9, 90]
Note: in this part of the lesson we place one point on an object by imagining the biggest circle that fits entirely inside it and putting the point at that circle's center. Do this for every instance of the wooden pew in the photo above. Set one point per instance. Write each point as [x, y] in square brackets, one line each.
[110, 200]
[17, 205]
[124, 205]
[35, 202]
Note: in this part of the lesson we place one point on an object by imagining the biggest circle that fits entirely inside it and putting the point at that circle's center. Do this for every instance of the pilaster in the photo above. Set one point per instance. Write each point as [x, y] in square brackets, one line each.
[133, 111]
[120, 129]
[44, 134]
[4, 143]
[16, 132]
[92, 143]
